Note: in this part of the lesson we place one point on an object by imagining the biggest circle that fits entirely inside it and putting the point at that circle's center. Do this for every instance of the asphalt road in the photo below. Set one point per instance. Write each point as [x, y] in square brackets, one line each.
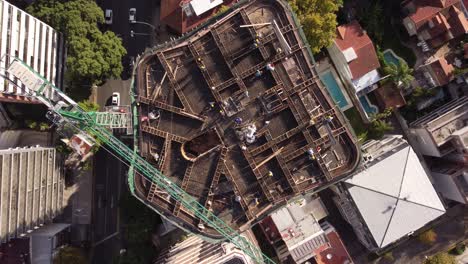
[146, 10]
[104, 92]
[107, 187]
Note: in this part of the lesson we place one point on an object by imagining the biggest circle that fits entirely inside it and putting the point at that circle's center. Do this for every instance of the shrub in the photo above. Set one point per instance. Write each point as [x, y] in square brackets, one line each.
[441, 258]
[428, 237]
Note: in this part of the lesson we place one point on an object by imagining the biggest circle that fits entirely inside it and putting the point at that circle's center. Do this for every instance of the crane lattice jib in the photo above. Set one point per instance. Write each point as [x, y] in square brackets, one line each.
[68, 111]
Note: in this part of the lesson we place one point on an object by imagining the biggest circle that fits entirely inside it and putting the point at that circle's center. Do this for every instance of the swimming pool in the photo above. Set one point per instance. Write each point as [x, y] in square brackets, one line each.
[368, 107]
[391, 57]
[334, 89]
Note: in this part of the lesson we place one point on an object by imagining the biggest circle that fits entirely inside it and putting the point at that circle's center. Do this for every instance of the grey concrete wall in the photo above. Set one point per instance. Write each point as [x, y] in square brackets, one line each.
[31, 190]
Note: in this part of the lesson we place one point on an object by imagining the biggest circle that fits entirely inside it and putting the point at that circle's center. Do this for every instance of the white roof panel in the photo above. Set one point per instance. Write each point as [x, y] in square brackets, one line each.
[366, 80]
[408, 217]
[416, 187]
[201, 6]
[395, 196]
[375, 208]
[384, 176]
[349, 54]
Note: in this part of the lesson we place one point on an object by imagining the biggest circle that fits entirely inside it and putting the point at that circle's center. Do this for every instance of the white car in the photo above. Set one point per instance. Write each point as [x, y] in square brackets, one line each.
[108, 16]
[132, 15]
[116, 99]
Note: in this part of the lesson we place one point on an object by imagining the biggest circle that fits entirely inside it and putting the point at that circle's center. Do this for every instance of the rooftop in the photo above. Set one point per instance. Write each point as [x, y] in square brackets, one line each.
[184, 15]
[442, 71]
[443, 122]
[354, 41]
[393, 194]
[426, 9]
[336, 253]
[237, 117]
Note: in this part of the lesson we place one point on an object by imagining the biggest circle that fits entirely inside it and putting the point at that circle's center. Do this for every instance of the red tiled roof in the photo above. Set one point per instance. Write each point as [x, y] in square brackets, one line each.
[458, 22]
[426, 9]
[335, 254]
[442, 70]
[353, 36]
[465, 47]
[172, 15]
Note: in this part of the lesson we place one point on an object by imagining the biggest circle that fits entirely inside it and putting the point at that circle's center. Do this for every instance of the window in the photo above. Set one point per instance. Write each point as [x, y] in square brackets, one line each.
[46, 56]
[26, 37]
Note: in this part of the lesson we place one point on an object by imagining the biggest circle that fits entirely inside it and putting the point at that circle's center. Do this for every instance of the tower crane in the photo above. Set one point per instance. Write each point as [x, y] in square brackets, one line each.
[64, 112]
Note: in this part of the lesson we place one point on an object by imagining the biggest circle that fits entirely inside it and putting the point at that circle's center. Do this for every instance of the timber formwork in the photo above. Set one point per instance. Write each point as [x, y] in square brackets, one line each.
[197, 98]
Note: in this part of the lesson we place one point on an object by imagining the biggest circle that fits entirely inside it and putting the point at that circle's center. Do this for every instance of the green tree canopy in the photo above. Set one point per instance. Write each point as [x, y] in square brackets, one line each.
[89, 106]
[70, 255]
[93, 56]
[401, 75]
[318, 19]
[441, 258]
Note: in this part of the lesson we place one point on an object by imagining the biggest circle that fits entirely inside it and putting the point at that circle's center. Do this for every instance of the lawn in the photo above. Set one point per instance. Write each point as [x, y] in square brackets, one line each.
[356, 122]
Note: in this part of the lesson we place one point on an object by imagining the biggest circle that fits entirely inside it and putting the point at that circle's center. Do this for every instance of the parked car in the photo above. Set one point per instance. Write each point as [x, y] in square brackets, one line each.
[108, 16]
[116, 98]
[132, 15]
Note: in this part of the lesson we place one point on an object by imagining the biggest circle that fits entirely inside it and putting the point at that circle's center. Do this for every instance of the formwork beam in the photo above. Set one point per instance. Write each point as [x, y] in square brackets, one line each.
[170, 108]
[165, 152]
[282, 165]
[173, 82]
[217, 175]
[201, 65]
[237, 192]
[185, 182]
[260, 176]
[163, 134]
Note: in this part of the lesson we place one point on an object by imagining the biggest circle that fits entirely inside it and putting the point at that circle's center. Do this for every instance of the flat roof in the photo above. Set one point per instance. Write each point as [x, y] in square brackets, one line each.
[395, 196]
[238, 122]
[201, 6]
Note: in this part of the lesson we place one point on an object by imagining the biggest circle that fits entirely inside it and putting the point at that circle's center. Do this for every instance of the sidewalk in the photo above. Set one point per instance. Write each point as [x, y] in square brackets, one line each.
[450, 231]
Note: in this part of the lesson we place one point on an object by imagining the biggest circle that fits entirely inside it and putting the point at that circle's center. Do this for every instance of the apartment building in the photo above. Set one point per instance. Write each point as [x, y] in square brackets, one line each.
[451, 180]
[31, 40]
[299, 234]
[391, 198]
[31, 190]
[196, 250]
[443, 131]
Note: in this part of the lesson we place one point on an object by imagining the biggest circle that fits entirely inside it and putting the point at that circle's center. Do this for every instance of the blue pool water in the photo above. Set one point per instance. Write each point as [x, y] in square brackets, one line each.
[334, 89]
[370, 109]
[389, 57]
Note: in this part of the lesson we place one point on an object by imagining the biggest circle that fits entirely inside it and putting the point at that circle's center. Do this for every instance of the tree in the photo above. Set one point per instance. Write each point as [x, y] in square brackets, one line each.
[401, 75]
[89, 106]
[428, 237]
[70, 255]
[441, 258]
[318, 20]
[373, 22]
[93, 56]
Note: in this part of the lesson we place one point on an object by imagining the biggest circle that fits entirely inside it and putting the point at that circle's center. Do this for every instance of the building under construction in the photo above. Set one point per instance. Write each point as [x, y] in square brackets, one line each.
[236, 116]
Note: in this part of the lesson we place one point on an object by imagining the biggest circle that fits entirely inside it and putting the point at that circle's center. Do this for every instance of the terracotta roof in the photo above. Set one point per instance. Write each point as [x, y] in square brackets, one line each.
[458, 22]
[337, 253]
[426, 9]
[172, 15]
[442, 70]
[353, 36]
[465, 47]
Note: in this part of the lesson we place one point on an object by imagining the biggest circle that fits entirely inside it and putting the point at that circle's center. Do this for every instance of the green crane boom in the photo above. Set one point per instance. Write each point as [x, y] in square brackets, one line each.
[63, 110]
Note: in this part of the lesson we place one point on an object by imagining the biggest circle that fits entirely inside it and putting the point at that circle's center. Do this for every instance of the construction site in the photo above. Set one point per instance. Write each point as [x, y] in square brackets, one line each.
[236, 116]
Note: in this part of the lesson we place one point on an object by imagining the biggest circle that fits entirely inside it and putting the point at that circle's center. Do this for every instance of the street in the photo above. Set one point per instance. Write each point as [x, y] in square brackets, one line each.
[146, 10]
[110, 173]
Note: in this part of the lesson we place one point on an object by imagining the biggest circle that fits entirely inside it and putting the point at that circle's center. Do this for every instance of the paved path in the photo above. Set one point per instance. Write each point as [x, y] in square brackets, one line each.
[463, 259]
[450, 231]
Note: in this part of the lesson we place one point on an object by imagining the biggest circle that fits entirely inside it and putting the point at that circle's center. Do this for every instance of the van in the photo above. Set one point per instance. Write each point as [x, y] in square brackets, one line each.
[108, 17]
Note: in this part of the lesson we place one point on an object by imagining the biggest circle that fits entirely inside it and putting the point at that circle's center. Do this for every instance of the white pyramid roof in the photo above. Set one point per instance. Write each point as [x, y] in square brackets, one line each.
[395, 197]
